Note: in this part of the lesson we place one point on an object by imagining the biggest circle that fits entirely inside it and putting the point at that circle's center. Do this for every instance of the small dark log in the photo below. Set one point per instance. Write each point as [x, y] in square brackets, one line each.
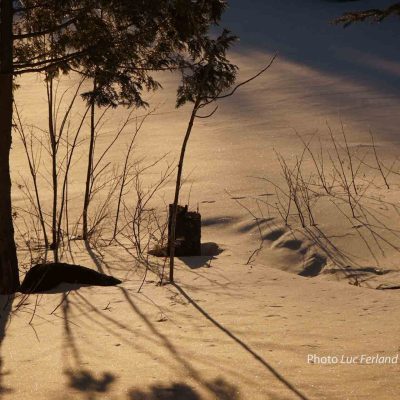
[187, 232]
[43, 277]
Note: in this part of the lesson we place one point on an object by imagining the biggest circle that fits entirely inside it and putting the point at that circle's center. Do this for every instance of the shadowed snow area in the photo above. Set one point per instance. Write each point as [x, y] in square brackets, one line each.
[303, 33]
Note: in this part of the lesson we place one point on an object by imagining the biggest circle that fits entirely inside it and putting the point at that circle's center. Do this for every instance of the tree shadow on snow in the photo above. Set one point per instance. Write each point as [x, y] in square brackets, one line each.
[85, 381]
[181, 391]
[90, 384]
[209, 252]
[291, 388]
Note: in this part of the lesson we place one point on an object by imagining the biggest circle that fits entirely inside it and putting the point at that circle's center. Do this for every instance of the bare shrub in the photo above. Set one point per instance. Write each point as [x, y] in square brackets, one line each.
[54, 146]
[345, 178]
[144, 226]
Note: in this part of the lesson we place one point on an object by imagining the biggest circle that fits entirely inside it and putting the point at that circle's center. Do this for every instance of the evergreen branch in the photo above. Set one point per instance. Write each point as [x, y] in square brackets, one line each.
[373, 14]
[46, 64]
[56, 28]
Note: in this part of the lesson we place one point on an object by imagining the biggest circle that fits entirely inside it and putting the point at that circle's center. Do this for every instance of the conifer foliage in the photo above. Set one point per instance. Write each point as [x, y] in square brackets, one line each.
[375, 15]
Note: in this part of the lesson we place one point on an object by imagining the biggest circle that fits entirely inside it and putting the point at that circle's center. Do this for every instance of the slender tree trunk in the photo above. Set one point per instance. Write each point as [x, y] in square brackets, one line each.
[9, 278]
[89, 173]
[177, 190]
[54, 149]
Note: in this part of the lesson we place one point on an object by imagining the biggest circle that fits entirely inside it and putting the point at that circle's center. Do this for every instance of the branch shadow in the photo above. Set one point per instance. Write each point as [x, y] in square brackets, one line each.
[220, 389]
[78, 378]
[242, 344]
[94, 257]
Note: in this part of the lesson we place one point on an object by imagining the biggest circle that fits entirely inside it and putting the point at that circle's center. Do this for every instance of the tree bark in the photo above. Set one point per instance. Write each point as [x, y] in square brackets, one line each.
[187, 232]
[9, 277]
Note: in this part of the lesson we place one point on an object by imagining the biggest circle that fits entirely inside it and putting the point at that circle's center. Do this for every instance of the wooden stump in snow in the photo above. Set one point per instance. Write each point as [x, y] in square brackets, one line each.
[187, 232]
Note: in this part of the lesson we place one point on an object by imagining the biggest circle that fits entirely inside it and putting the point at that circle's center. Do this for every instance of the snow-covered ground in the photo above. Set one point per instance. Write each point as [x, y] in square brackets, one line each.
[233, 328]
